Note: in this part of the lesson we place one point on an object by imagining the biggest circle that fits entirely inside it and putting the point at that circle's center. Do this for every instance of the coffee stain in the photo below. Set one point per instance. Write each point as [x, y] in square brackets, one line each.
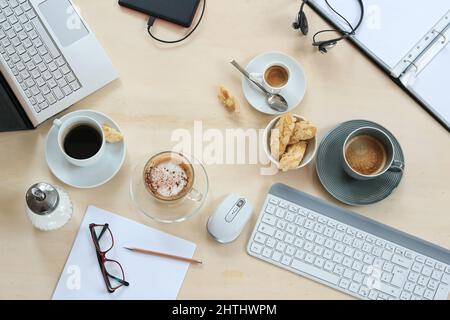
[233, 274]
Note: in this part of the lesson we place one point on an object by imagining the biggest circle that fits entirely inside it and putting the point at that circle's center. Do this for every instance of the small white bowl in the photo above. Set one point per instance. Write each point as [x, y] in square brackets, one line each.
[310, 150]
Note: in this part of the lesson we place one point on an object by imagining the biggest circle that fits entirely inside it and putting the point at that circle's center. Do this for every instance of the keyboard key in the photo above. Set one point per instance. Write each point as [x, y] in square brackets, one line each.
[300, 254]
[299, 242]
[267, 252]
[318, 250]
[354, 287]
[286, 260]
[373, 295]
[405, 296]
[399, 277]
[50, 98]
[423, 281]
[269, 208]
[329, 266]
[281, 224]
[263, 228]
[348, 273]
[271, 242]
[442, 292]
[290, 250]
[308, 246]
[364, 291]
[52, 83]
[309, 258]
[419, 290]
[319, 262]
[279, 235]
[276, 256]
[358, 277]
[291, 228]
[388, 267]
[426, 271]
[413, 276]
[300, 232]
[283, 204]
[390, 290]
[267, 218]
[280, 246]
[437, 275]
[430, 263]
[315, 272]
[433, 284]
[402, 261]
[280, 213]
[344, 283]
[289, 238]
[338, 269]
[259, 237]
[446, 278]
[409, 286]
[289, 215]
[428, 294]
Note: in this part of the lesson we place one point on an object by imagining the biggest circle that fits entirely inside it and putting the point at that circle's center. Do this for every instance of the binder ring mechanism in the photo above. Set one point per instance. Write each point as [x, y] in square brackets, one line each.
[444, 38]
[412, 64]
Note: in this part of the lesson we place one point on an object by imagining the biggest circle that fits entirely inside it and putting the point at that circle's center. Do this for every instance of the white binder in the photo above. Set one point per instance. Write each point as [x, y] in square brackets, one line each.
[408, 39]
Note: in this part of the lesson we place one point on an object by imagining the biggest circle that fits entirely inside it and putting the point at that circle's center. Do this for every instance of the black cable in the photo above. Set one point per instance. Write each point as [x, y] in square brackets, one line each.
[151, 21]
[345, 34]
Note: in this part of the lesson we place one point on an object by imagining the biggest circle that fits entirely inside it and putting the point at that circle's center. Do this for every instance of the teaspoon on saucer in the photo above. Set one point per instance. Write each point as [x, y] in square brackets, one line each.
[275, 101]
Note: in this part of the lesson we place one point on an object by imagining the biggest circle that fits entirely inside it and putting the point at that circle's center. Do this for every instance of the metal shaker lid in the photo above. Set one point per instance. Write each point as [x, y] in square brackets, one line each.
[42, 198]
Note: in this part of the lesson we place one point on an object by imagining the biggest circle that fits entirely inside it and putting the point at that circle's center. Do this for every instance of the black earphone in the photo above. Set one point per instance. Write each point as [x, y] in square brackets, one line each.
[323, 46]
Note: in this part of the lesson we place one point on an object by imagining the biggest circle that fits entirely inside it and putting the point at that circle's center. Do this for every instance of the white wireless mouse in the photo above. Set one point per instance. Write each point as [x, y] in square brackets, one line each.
[230, 218]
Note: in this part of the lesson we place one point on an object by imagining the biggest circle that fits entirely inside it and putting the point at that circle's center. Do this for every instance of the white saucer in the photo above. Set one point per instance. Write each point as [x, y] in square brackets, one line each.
[293, 93]
[89, 177]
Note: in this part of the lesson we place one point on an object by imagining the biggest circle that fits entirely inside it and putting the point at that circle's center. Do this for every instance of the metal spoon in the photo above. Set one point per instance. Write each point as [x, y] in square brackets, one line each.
[275, 101]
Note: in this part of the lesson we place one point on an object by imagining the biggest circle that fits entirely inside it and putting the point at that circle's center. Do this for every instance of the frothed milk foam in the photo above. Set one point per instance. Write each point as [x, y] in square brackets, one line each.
[168, 177]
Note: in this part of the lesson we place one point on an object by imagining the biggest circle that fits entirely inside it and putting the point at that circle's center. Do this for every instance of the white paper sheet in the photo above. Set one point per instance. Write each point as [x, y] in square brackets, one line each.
[391, 27]
[149, 277]
[431, 85]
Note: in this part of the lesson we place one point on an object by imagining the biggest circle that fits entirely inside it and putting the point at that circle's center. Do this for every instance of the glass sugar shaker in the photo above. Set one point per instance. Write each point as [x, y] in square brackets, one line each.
[48, 207]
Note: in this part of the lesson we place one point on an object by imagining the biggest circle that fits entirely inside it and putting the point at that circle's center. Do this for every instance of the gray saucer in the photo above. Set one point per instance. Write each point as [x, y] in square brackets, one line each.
[338, 183]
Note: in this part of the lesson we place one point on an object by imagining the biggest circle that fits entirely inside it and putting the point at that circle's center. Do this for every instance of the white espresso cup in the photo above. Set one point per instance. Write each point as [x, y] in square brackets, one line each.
[64, 128]
[275, 77]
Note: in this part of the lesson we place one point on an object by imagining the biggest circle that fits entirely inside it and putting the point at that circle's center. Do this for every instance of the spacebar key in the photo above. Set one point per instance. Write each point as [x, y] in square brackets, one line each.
[315, 272]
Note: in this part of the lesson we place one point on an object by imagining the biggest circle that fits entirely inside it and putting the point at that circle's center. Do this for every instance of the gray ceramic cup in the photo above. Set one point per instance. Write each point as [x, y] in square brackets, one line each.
[390, 165]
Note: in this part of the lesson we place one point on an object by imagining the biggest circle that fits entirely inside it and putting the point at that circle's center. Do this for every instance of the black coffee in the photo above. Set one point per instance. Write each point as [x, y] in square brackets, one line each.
[82, 142]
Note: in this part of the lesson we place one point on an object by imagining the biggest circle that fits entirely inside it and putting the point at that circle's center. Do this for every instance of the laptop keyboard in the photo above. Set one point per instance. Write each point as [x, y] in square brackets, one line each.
[34, 59]
[348, 259]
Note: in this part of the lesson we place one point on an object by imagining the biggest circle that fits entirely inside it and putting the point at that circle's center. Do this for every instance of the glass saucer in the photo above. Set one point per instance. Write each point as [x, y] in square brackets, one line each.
[168, 212]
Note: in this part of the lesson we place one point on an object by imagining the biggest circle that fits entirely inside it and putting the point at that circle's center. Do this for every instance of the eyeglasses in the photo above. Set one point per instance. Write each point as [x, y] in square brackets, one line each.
[112, 270]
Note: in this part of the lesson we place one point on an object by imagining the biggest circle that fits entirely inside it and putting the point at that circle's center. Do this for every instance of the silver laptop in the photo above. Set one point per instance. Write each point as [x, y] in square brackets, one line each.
[49, 56]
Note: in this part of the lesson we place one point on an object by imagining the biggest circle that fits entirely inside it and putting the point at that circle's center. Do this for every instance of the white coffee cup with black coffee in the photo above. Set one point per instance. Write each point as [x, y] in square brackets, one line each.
[81, 140]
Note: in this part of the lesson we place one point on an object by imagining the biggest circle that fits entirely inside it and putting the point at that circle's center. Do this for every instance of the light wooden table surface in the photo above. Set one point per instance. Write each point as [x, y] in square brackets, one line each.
[162, 89]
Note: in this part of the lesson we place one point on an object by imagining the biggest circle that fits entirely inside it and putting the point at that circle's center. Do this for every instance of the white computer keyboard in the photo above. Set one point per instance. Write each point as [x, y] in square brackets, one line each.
[343, 257]
[33, 58]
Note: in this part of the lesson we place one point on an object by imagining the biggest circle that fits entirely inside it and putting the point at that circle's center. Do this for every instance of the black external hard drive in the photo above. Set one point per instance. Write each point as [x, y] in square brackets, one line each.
[181, 12]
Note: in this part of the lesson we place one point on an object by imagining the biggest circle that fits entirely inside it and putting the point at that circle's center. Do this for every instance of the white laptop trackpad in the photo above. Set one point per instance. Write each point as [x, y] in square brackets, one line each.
[64, 21]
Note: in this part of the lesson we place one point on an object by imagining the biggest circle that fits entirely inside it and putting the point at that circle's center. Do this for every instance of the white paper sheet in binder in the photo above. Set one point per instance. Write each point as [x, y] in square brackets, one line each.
[404, 37]
[390, 27]
[150, 277]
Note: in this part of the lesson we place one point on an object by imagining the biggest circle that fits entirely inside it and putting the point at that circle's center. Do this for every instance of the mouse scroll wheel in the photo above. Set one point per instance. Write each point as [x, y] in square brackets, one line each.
[240, 203]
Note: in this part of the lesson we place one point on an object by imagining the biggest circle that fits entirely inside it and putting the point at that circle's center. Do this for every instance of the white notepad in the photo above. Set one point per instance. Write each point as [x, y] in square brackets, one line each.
[150, 277]
[399, 35]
